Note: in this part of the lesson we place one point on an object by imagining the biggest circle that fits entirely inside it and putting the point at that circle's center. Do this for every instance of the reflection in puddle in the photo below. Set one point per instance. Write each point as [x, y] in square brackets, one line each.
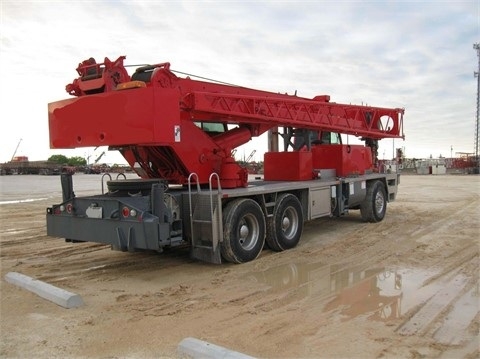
[352, 290]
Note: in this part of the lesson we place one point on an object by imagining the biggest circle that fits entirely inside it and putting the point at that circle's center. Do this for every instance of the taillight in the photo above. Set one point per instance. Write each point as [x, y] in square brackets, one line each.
[127, 212]
[64, 208]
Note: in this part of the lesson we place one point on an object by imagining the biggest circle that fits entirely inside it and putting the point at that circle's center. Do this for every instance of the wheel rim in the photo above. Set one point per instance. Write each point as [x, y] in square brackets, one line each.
[289, 223]
[379, 202]
[248, 232]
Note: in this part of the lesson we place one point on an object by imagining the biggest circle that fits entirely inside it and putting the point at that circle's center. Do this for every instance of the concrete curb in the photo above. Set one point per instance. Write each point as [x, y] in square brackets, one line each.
[47, 291]
[196, 349]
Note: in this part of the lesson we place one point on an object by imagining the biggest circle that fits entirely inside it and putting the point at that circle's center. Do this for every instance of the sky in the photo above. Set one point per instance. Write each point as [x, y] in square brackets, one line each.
[416, 55]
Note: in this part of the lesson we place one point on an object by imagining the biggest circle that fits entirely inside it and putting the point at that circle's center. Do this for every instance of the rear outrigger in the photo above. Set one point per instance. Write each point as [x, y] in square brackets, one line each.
[178, 135]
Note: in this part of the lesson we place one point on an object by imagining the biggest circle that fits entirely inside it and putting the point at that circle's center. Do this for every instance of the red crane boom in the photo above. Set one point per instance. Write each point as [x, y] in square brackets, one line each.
[168, 127]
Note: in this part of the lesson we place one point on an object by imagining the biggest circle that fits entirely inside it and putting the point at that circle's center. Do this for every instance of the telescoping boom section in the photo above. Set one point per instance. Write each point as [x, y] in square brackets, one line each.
[179, 135]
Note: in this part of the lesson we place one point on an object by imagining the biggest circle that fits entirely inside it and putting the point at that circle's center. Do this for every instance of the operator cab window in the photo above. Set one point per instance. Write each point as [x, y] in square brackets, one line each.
[212, 128]
[331, 138]
[325, 138]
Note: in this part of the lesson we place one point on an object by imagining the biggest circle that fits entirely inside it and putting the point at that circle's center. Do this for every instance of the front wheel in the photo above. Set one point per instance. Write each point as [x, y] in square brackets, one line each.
[374, 206]
[243, 231]
[286, 225]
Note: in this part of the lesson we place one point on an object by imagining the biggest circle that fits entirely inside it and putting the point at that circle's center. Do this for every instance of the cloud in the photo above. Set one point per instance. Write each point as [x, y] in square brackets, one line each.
[412, 54]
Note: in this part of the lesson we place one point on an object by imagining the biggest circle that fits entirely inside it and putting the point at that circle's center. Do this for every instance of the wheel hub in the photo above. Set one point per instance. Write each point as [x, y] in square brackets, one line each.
[285, 223]
[244, 232]
[379, 202]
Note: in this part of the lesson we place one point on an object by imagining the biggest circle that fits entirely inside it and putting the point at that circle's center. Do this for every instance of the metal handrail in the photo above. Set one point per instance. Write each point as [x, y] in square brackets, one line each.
[193, 174]
[219, 220]
[105, 174]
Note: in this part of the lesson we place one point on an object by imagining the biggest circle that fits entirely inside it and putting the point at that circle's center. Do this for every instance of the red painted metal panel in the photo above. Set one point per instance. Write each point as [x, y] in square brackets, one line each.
[288, 166]
[129, 117]
[113, 118]
[347, 160]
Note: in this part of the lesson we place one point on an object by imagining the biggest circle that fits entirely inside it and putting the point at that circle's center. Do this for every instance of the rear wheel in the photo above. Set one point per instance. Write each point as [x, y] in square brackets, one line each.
[374, 206]
[243, 231]
[286, 225]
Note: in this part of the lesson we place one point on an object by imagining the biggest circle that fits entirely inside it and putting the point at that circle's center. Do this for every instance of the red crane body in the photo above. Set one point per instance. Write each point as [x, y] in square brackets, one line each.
[168, 127]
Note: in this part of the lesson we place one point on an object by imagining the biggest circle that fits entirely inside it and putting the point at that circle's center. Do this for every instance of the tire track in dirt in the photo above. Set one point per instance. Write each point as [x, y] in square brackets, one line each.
[412, 240]
[145, 303]
[451, 290]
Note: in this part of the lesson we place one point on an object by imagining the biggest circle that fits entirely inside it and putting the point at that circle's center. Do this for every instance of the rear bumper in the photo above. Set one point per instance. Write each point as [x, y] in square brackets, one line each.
[123, 235]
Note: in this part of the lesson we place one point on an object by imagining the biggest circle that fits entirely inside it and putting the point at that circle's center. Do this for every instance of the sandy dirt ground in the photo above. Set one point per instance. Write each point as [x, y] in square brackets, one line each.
[407, 287]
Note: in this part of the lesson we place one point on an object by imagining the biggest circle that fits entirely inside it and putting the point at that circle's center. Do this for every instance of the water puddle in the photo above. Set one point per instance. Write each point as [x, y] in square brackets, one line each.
[351, 290]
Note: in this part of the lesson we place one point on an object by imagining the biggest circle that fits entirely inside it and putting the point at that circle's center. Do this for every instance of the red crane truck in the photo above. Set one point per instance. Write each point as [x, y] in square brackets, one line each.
[178, 135]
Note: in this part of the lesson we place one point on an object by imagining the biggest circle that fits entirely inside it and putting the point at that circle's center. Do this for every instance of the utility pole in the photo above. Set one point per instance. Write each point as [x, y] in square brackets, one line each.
[476, 47]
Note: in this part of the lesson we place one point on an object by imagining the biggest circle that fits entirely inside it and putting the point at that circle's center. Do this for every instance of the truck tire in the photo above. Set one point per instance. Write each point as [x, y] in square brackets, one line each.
[243, 231]
[374, 206]
[286, 225]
